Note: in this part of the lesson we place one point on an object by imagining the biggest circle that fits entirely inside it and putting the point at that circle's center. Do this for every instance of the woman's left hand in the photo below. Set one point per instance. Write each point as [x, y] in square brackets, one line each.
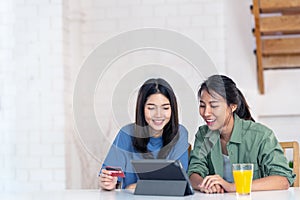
[214, 189]
[211, 181]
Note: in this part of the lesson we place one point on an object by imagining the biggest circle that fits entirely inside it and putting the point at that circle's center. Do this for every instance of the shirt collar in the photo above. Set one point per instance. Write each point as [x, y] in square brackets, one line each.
[236, 136]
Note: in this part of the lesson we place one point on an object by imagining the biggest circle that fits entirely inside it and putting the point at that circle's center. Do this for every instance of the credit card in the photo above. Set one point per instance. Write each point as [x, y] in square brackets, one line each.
[115, 171]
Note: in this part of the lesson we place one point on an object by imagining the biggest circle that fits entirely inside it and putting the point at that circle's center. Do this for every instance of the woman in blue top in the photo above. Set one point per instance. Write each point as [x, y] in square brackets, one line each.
[156, 134]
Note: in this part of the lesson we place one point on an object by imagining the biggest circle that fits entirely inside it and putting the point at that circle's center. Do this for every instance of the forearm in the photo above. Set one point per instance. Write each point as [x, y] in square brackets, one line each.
[131, 186]
[270, 183]
[196, 180]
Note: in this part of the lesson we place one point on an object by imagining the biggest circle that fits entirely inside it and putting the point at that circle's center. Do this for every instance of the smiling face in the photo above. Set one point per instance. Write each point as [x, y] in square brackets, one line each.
[157, 113]
[215, 111]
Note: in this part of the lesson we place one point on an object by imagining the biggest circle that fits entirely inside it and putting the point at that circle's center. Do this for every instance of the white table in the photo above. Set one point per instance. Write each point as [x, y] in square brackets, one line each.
[291, 194]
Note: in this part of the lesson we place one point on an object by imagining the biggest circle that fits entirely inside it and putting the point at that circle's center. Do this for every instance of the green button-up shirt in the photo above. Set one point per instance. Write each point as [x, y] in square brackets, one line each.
[250, 142]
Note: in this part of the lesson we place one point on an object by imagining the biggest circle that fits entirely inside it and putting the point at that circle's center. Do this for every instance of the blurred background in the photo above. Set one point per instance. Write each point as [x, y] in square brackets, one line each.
[43, 44]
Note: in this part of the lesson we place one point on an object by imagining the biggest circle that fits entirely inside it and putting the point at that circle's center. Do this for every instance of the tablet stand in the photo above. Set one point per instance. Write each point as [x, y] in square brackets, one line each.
[161, 187]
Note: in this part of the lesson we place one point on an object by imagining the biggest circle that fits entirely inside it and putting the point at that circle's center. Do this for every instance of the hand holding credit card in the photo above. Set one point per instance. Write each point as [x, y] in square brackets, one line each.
[115, 171]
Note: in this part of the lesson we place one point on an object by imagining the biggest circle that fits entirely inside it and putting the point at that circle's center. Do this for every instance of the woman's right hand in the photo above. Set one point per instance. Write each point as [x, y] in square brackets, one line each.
[106, 181]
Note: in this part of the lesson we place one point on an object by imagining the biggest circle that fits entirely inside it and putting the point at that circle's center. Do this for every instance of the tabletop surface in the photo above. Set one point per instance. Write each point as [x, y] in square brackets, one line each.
[290, 194]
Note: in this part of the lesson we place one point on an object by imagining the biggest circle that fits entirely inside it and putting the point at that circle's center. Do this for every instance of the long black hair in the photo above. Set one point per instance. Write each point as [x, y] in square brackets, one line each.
[170, 131]
[226, 88]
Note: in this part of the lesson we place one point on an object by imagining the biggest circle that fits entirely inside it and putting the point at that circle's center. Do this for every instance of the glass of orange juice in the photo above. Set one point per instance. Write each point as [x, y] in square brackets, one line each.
[242, 175]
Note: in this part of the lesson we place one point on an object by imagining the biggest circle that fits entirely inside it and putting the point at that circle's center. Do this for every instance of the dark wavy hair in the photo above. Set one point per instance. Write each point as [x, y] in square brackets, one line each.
[226, 88]
[170, 131]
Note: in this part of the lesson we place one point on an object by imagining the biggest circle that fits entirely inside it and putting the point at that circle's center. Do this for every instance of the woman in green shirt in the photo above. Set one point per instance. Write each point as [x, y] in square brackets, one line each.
[231, 136]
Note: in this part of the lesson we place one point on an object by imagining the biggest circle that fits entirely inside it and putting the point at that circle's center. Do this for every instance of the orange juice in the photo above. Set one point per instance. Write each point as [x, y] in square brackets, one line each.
[243, 180]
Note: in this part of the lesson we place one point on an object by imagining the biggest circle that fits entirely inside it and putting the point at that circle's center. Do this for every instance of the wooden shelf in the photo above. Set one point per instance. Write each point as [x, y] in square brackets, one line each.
[289, 24]
[281, 62]
[281, 46]
[271, 6]
[277, 34]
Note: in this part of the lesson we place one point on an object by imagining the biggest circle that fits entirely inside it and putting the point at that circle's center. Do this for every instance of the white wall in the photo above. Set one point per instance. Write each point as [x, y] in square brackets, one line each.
[31, 96]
